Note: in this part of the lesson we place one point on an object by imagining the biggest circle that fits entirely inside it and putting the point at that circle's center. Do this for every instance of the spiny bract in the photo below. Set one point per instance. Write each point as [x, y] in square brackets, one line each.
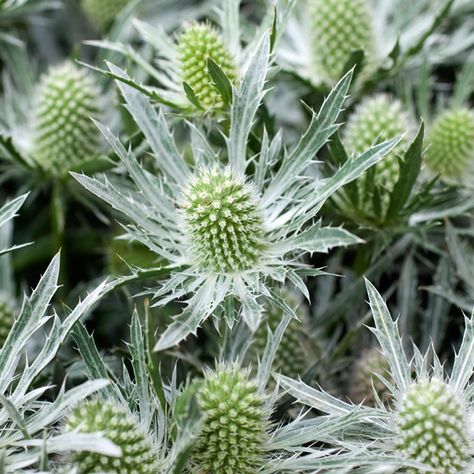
[103, 12]
[197, 43]
[365, 380]
[63, 130]
[7, 319]
[338, 28]
[432, 428]
[224, 222]
[116, 424]
[451, 142]
[291, 356]
[375, 120]
[234, 424]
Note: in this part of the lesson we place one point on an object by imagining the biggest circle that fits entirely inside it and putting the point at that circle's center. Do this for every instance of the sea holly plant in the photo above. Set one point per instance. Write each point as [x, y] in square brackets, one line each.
[229, 226]
[196, 68]
[26, 416]
[428, 425]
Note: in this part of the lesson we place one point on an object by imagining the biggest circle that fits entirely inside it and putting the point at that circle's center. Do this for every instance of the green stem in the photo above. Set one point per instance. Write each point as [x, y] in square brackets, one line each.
[58, 226]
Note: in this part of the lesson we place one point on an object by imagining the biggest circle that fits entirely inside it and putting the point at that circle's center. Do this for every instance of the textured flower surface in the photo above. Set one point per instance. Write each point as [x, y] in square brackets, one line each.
[64, 132]
[6, 319]
[432, 426]
[197, 44]
[291, 357]
[427, 425]
[451, 142]
[103, 12]
[227, 228]
[119, 426]
[337, 29]
[375, 120]
[233, 434]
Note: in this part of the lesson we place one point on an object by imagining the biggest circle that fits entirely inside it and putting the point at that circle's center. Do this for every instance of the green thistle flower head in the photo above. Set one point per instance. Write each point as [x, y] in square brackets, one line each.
[234, 424]
[119, 426]
[223, 221]
[7, 318]
[197, 43]
[376, 120]
[63, 130]
[432, 429]
[291, 357]
[451, 142]
[338, 28]
[364, 378]
[102, 12]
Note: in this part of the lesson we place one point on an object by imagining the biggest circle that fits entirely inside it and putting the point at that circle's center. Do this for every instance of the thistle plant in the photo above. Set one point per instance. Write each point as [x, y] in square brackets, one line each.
[64, 133]
[338, 28]
[428, 427]
[103, 12]
[291, 357]
[225, 228]
[235, 422]
[7, 318]
[450, 150]
[138, 453]
[196, 46]
[377, 119]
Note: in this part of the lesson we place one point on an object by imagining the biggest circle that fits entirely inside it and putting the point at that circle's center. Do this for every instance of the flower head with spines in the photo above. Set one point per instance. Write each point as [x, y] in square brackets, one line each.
[375, 120]
[450, 150]
[246, 221]
[198, 43]
[224, 222]
[235, 421]
[427, 425]
[116, 423]
[337, 29]
[7, 318]
[103, 12]
[64, 134]
[432, 426]
[291, 357]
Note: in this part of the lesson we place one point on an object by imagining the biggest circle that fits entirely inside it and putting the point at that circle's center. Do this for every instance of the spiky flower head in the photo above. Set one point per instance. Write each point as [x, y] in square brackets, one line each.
[102, 12]
[375, 120]
[337, 29]
[432, 427]
[64, 134]
[234, 423]
[119, 426]
[197, 43]
[291, 356]
[451, 142]
[366, 385]
[7, 318]
[224, 221]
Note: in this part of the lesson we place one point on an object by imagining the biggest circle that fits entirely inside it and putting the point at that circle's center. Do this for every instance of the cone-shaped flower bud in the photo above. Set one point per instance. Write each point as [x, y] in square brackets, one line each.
[432, 427]
[365, 378]
[338, 28]
[291, 356]
[103, 12]
[115, 423]
[451, 142]
[7, 319]
[63, 131]
[223, 221]
[197, 43]
[376, 120]
[234, 424]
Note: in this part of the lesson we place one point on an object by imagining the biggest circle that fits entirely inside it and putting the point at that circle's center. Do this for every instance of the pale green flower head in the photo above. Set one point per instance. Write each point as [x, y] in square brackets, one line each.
[7, 318]
[428, 425]
[229, 226]
[103, 12]
[450, 143]
[117, 424]
[64, 134]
